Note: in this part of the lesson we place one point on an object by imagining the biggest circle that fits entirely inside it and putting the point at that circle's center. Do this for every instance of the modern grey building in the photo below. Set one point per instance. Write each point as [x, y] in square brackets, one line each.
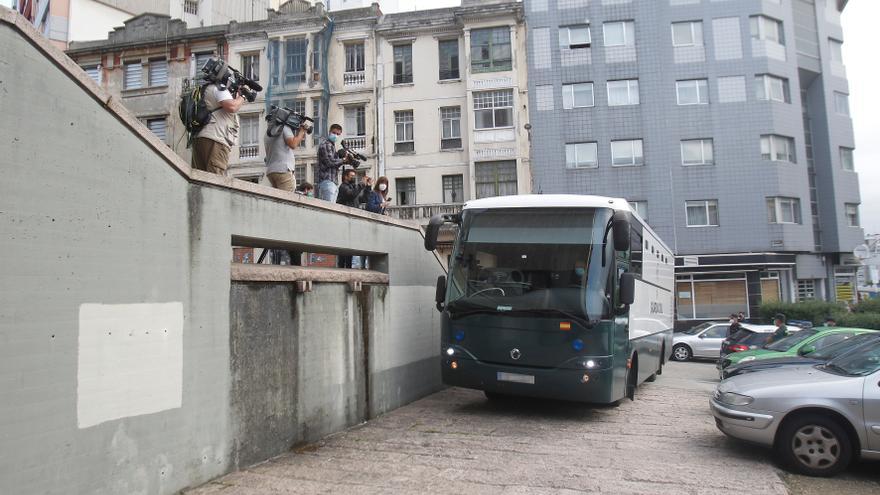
[725, 121]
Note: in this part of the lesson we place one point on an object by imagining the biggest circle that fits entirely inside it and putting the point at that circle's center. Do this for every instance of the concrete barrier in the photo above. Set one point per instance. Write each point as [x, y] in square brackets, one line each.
[134, 356]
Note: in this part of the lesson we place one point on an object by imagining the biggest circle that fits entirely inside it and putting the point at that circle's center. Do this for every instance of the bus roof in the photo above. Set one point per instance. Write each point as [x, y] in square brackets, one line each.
[549, 201]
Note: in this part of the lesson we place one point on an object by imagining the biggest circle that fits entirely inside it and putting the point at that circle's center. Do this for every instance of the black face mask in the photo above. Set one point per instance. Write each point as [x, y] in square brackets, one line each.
[351, 179]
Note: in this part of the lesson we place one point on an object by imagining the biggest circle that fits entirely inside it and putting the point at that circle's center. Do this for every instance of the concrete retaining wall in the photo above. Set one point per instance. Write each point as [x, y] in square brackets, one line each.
[129, 360]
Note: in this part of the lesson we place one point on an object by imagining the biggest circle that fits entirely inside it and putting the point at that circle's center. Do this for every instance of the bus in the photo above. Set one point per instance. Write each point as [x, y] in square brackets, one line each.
[554, 296]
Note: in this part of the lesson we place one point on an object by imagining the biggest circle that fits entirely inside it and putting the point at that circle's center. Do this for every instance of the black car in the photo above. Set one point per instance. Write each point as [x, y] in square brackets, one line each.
[816, 357]
[745, 339]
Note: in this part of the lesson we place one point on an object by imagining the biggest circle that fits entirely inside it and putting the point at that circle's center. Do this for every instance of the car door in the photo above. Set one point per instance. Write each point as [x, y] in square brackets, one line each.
[709, 342]
[871, 404]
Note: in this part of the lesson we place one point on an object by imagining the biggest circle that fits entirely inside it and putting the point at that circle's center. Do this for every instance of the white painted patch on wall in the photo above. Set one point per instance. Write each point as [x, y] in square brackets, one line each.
[130, 360]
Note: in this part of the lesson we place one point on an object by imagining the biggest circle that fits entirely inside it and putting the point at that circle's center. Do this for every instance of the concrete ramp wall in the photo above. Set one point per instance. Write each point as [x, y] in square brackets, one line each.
[135, 358]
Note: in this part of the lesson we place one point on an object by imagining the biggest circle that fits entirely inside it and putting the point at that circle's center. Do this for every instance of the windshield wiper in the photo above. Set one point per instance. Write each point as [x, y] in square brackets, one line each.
[837, 370]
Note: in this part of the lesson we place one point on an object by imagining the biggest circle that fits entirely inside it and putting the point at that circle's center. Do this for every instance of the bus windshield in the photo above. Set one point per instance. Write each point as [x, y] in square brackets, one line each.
[533, 261]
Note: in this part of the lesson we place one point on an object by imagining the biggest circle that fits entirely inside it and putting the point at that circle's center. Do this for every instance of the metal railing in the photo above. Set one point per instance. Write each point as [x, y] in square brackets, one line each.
[423, 213]
[252, 151]
[356, 78]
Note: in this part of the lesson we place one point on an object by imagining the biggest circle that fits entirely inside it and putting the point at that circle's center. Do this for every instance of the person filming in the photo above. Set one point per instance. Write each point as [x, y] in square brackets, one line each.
[280, 141]
[212, 145]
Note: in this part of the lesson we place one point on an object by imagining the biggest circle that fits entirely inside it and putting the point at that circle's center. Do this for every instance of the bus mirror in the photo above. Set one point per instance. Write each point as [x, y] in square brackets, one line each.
[440, 295]
[620, 223]
[433, 228]
[627, 288]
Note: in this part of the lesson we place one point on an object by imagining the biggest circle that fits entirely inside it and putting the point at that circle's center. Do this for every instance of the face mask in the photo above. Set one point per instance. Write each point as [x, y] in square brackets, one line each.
[351, 179]
[310, 194]
[332, 138]
[579, 272]
[382, 187]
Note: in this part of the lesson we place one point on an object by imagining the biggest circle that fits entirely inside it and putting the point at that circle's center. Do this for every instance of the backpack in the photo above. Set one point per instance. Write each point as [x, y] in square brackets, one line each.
[194, 111]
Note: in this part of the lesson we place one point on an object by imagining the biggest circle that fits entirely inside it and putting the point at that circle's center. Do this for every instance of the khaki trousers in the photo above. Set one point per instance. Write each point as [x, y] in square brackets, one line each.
[210, 156]
[282, 180]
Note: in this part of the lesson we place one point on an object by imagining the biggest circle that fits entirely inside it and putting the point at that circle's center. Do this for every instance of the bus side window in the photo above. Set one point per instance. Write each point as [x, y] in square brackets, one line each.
[635, 252]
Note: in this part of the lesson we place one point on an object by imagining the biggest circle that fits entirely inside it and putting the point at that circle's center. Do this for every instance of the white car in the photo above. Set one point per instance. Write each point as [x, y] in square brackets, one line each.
[704, 341]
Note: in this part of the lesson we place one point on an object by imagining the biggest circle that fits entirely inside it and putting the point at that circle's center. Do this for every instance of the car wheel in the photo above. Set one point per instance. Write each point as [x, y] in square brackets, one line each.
[681, 352]
[814, 445]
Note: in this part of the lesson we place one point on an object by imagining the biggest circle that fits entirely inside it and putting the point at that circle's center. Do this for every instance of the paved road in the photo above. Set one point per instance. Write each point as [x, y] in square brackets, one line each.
[456, 441]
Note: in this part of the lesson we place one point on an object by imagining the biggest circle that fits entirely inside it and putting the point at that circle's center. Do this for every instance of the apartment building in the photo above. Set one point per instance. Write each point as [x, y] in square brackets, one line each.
[725, 122]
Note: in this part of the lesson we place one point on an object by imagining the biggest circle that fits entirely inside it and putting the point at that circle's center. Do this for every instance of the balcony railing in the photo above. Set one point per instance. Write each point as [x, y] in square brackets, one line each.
[423, 213]
[252, 151]
[354, 79]
[357, 143]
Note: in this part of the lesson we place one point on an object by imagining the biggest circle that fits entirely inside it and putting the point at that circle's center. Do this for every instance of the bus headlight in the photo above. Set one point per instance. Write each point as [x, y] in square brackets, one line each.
[450, 351]
[594, 363]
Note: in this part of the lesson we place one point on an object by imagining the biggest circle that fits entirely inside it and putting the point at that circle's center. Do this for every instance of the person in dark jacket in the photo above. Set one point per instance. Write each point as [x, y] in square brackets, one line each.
[379, 199]
[350, 192]
[781, 329]
[734, 325]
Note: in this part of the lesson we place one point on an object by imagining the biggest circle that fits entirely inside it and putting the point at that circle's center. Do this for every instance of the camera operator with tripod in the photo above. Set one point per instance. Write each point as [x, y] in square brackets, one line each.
[285, 131]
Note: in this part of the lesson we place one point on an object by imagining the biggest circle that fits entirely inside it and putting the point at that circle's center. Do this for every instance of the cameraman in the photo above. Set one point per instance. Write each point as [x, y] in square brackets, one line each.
[212, 145]
[329, 164]
[350, 192]
[280, 144]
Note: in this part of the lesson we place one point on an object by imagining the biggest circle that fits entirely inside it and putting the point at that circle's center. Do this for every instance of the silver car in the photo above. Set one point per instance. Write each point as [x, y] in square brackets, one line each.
[817, 418]
[704, 341]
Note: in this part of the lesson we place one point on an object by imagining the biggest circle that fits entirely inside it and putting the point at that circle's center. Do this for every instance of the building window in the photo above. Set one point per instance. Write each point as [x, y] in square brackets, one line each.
[852, 214]
[201, 60]
[697, 152]
[249, 139]
[295, 51]
[841, 103]
[490, 49]
[354, 57]
[846, 159]
[711, 296]
[627, 153]
[158, 75]
[274, 61]
[318, 128]
[577, 95]
[317, 46]
[301, 172]
[93, 71]
[806, 290]
[778, 148]
[403, 132]
[692, 92]
[191, 7]
[702, 213]
[767, 29]
[356, 124]
[493, 109]
[495, 178]
[784, 210]
[133, 75]
[448, 52]
[574, 37]
[158, 126]
[624, 92]
[836, 49]
[403, 69]
[640, 207]
[450, 125]
[250, 66]
[687, 33]
[621, 33]
[406, 191]
[581, 155]
[772, 88]
[453, 188]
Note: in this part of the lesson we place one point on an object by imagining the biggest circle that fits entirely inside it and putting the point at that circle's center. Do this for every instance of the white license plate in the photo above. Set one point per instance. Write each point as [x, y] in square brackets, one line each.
[515, 378]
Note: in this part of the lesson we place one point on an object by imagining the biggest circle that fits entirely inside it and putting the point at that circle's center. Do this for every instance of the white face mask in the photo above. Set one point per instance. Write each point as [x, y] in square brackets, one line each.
[382, 187]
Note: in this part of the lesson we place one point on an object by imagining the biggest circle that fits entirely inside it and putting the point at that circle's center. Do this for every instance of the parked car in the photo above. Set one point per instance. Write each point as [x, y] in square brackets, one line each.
[704, 341]
[820, 356]
[816, 418]
[798, 344]
[752, 337]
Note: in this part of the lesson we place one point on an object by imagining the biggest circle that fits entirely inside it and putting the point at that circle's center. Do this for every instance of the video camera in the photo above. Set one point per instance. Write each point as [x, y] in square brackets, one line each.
[354, 158]
[217, 71]
[277, 118]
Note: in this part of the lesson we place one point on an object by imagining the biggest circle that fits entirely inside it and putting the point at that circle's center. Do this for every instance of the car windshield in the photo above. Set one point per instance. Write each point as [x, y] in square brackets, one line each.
[787, 343]
[839, 348]
[535, 260]
[699, 328]
[860, 362]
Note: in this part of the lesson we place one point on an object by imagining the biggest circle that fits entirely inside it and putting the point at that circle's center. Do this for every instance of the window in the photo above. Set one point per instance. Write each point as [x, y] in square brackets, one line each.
[619, 33]
[490, 49]
[317, 46]
[836, 49]
[301, 172]
[250, 66]
[158, 127]
[765, 28]
[778, 148]
[640, 207]
[295, 60]
[697, 152]
[319, 122]
[625, 92]
[493, 109]
[627, 153]
[448, 51]
[687, 33]
[772, 88]
[852, 214]
[702, 213]
[406, 191]
[403, 71]
[784, 210]
[133, 75]
[581, 155]
[495, 178]
[574, 37]
[191, 7]
[249, 139]
[577, 95]
[356, 121]
[846, 159]
[635, 249]
[716, 332]
[453, 188]
[841, 103]
[806, 290]
[158, 75]
[93, 71]
[354, 57]
[450, 128]
[403, 132]
[692, 92]
[201, 60]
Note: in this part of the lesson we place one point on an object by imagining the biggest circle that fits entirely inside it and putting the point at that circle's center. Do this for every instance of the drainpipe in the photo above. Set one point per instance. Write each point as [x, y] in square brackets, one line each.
[380, 104]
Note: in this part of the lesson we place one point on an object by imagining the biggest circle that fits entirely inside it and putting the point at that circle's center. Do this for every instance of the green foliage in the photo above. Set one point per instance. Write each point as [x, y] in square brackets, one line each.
[868, 306]
[815, 311]
[860, 320]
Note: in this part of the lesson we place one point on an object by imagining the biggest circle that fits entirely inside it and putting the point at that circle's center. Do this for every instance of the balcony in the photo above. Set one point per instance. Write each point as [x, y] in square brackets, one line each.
[355, 79]
[357, 143]
[423, 213]
[248, 151]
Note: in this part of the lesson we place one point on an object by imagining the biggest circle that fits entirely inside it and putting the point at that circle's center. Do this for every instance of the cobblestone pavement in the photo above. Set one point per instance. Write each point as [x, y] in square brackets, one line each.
[456, 441]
